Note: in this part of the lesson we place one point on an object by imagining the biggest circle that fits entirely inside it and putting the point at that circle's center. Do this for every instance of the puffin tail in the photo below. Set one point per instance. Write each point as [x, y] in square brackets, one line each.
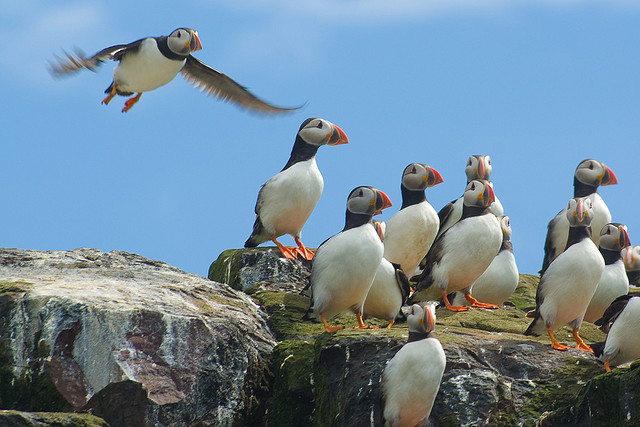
[255, 238]
[598, 348]
[534, 327]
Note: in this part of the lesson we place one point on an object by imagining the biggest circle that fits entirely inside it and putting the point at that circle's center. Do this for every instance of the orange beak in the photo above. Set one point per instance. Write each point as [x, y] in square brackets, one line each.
[609, 178]
[195, 43]
[338, 137]
[437, 178]
[489, 195]
[624, 236]
[386, 202]
[481, 171]
[580, 210]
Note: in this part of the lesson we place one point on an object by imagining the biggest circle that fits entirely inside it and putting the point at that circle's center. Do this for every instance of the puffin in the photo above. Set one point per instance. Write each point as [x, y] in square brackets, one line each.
[631, 258]
[344, 265]
[589, 175]
[614, 281]
[411, 379]
[621, 322]
[388, 293]
[460, 255]
[479, 168]
[567, 285]
[151, 62]
[410, 232]
[286, 201]
[500, 279]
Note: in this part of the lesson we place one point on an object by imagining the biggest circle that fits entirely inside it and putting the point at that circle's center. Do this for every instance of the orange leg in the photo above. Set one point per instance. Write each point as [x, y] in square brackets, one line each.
[328, 328]
[361, 324]
[303, 251]
[109, 97]
[475, 304]
[554, 342]
[287, 252]
[606, 366]
[391, 322]
[131, 101]
[581, 345]
[452, 307]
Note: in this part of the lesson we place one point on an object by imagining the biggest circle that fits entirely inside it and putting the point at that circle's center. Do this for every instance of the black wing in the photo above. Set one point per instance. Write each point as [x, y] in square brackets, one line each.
[222, 86]
[71, 63]
[446, 211]
[613, 311]
[549, 245]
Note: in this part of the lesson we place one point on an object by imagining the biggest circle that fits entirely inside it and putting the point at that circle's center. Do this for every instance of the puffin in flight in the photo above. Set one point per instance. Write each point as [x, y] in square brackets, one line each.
[589, 175]
[286, 201]
[344, 265]
[411, 379]
[151, 62]
[460, 255]
[567, 285]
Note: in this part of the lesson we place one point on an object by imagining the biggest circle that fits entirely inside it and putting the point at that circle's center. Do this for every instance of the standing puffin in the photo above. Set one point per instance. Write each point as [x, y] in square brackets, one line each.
[286, 201]
[151, 62]
[500, 279]
[460, 255]
[388, 293]
[410, 232]
[344, 265]
[411, 379]
[567, 285]
[478, 168]
[631, 258]
[589, 175]
[614, 281]
[621, 322]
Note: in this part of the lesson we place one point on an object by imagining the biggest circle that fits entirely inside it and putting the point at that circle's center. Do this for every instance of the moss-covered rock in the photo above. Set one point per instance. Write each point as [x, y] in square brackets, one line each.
[54, 419]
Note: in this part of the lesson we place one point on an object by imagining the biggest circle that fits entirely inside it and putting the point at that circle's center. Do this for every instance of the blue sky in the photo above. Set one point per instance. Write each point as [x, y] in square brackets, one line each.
[537, 85]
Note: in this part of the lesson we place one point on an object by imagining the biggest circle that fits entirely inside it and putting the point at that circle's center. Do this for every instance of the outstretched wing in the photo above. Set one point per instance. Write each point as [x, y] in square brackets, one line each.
[71, 63]
[218, 84]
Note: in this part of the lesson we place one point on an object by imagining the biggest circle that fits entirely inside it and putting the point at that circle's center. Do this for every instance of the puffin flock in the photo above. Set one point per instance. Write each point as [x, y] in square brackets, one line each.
[462, 254]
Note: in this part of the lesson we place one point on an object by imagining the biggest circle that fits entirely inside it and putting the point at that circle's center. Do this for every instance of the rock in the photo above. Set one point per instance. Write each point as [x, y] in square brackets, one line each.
[136, 341]
[53, 419]
[243, 268]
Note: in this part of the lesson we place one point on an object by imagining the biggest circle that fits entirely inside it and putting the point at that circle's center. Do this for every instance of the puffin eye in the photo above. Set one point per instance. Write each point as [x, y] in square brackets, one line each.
[319, 125]
[469, 162]
[590, 165]
[360, 193]
[413, 169]
[473, 187]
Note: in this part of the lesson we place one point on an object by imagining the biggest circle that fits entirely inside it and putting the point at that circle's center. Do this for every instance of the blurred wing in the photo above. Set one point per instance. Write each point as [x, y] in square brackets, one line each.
[217, 84]
[71, 63]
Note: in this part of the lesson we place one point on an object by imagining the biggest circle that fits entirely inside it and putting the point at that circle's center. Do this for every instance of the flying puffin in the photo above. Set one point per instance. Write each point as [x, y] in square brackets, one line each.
[500, 279]
[151, 62]
[410, 232]
[286, 200]
[589, 175]
[388, 293]
[567, 285]
[621, 322]
[411, 379]
[478, 168]
[460, 255]
[344, 265]
[614, 281]
[631, 258]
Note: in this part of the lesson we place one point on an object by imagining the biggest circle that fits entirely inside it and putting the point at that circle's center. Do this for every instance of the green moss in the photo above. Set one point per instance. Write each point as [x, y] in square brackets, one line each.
[524, 297]
[55, 419]
[292, 398]
[14, 287]
[225, 268]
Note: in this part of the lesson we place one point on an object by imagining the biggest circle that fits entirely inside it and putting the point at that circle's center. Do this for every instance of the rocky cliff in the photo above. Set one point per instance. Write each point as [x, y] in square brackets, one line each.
[137, 342]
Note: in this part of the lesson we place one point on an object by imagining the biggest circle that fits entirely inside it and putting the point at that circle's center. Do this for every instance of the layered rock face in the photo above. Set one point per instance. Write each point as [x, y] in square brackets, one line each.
[135, 341]
[140, 343]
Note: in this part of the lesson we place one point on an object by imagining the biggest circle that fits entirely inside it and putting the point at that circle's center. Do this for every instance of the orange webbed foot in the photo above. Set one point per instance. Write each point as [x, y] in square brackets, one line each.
[131, 102]
[303, 251]
[606, 366]
[287, 252]
[327, 327]
[561, 347]
[391, 322]
[476, 304]
[580, 344]
[450, 307]
[584, 347]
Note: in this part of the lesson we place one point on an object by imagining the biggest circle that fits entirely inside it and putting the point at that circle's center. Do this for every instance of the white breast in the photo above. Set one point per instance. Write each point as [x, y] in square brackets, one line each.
[343, 269]
[384, 298]
[623, 340]
[569, 283]
[146, 69]
[409, 235]
[288, 198]
[499, 280]
[469, 248]
[456, 214]
[411, 380]
[613, 283]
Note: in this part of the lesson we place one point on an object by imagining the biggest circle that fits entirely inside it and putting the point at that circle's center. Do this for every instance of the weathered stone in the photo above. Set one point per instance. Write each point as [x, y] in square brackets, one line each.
[243, 268]
[129, 338]
[44, 419]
